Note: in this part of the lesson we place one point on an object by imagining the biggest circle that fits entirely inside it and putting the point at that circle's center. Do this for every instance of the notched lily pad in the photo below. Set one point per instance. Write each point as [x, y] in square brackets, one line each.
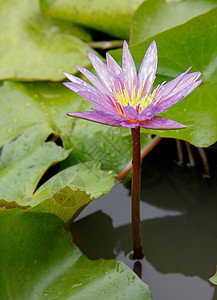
[65, 194]
[155, 16]
[110, 16]
[38, 261]
[37, 47]
[18, 180]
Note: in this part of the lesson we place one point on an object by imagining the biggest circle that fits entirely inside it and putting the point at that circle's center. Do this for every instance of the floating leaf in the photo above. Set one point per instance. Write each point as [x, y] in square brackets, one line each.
[68, 192]
[155, 16]
[36, 104]
[38, 261]
[112, 17]
[64, 195]
[22, 165]
[18, 180]
[65, 203]
[38, 111]
[191, 44]
[34, 46]
[27, 140]
[91, 141]
[213, 279]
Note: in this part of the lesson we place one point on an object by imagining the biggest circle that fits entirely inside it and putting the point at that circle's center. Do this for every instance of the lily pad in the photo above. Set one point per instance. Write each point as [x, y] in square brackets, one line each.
[112, 146]
[31, 112]
[19, 179]
[24, 142]
[23, 162]
[155, 16]
[34, 46]
[68, 192]
[213, 279]
[110, 16]
[36, 104]
[191, 44]
[38, 261]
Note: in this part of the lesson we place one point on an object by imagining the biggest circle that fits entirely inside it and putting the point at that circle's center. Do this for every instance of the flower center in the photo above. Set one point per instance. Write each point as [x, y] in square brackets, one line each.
[137, 100]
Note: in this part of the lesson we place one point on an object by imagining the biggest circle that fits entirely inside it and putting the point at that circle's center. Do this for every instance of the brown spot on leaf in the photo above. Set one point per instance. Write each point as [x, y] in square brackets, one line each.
[32, 166]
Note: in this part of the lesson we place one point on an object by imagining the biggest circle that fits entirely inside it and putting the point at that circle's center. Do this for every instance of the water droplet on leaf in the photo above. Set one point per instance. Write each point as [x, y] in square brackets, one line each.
[8, 109]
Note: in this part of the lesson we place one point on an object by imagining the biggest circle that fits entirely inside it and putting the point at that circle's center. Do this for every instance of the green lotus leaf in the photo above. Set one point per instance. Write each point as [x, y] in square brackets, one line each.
[44, 106]
[155, 16]
[23, 162]
[40, 104]
[213, 279]
[112, 17]
[25, 141]
[69, 191]
[65, 203]
[191, 44]
[34, 46]
[38, 261]
[111, 145]
[19, 179]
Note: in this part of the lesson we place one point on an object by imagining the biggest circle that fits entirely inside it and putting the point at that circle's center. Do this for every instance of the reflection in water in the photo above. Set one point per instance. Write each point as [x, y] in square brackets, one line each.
[137, 268]
[179, 228]
[95, 235]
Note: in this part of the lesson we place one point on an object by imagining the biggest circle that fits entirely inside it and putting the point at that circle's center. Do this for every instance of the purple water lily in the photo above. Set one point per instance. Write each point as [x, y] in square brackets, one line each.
[123, 98]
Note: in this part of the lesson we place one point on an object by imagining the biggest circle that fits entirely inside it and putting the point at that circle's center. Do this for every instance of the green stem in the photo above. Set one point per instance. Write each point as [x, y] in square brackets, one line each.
[135, 192]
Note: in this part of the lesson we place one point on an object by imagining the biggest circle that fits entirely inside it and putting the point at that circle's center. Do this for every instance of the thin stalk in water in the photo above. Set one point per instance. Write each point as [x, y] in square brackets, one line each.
[135, 192]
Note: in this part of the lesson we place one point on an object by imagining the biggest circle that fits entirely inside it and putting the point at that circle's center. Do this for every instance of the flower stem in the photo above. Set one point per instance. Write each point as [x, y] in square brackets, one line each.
[148, 148]
[135, 192]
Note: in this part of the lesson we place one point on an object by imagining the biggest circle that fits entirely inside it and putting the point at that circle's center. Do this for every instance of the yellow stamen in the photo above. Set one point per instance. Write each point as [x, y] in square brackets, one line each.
[121, 96]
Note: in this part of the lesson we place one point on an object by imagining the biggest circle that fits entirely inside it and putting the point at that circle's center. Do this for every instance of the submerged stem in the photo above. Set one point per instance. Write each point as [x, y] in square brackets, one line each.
[135, 192]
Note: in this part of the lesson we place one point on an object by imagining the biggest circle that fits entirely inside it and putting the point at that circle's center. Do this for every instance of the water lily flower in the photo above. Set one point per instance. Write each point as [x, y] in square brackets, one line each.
[123, 98]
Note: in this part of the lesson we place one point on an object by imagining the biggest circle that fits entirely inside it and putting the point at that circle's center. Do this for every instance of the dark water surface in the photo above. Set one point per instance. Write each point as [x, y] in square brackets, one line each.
[179, 226]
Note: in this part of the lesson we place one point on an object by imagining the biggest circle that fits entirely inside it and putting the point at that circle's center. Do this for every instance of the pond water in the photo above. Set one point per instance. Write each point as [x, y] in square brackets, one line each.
[179, 226]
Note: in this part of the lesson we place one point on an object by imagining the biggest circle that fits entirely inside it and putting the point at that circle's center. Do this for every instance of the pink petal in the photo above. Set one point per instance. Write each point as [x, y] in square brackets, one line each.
[188, 79]
[130, 112]
[77, 80]
[128, 68]
[90, 94]
[115, 116]
[149, 112]
[128, 124]
[102, 71]
[155, 108]
[148, 69]
[88, 91]
[97, 99]
[168, 102]
[161, 123]
[96, 117]
[94, 80]
[83, 86]
[169, 87]
[113, 65]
